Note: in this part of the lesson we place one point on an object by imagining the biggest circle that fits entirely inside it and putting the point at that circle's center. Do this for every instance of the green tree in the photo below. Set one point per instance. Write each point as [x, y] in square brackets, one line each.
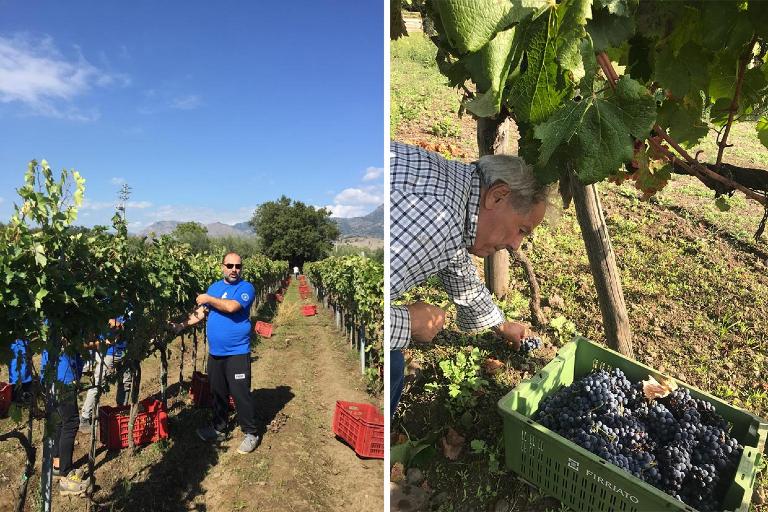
[291, 230]
[194, 234]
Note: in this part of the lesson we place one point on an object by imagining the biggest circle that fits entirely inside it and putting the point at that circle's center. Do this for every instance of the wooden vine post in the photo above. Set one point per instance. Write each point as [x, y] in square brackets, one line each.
[602, 263]
[493, 139]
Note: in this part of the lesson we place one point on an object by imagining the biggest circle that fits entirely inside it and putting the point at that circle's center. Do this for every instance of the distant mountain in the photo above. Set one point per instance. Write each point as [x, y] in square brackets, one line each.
[244, 227]
[163, 227]
[369, 226]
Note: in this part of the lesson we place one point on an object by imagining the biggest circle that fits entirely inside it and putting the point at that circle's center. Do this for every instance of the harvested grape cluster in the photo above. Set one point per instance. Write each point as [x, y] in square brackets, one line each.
[678, 444]
[529, 344]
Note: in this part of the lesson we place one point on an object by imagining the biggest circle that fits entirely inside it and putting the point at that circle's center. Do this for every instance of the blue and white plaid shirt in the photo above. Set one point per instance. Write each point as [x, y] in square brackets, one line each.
[434, 205]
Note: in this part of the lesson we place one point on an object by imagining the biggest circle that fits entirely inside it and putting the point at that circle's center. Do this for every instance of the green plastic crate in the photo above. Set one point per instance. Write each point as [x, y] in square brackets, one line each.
[582, 480]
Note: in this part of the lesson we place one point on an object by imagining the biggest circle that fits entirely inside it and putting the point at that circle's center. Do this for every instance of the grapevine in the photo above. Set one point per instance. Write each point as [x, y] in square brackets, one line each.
[61, 285]
[355, 286]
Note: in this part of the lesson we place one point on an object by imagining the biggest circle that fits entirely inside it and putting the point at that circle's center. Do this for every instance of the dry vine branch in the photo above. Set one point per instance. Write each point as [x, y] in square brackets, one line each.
[689, 164]
[743, 61]
[535, 304]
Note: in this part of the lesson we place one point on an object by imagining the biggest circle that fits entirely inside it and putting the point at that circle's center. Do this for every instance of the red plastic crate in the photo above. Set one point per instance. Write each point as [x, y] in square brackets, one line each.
[303, 289]
[309, 310]
[361, 426]
[263, 329]
[6, 394]
[150, 426]
[201, 391]
[304, 295]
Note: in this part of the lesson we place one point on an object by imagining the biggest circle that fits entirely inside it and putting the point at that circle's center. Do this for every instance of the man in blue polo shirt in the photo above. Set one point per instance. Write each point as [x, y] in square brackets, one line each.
[228, 304]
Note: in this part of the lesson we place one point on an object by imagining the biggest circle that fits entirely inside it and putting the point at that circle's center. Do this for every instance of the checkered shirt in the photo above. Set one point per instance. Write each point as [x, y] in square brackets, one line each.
[434, 205]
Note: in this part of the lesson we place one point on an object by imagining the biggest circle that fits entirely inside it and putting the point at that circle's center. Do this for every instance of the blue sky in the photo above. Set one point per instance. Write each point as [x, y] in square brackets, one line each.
[205, 109]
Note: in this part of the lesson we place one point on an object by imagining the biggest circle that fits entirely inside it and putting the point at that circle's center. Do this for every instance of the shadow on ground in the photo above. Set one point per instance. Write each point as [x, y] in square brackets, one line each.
[173, 483]
[269, 403]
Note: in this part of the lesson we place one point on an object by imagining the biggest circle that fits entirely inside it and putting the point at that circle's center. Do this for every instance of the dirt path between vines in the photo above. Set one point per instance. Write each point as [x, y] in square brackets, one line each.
[300, 465]
[297, 376]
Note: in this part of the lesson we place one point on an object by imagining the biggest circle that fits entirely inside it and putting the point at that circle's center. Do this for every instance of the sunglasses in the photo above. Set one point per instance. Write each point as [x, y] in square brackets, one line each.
[238, 266]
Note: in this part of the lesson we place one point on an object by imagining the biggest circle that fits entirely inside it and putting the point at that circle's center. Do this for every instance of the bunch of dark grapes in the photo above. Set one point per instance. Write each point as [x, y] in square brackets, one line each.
[678, 444]
[529, 344]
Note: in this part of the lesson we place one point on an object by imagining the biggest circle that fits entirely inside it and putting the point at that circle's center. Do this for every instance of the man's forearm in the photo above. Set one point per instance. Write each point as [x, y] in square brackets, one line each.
[224, 305]
[193, 318]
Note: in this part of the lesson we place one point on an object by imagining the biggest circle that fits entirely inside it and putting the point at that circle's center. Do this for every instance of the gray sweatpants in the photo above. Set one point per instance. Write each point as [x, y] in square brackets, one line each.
[111, 365]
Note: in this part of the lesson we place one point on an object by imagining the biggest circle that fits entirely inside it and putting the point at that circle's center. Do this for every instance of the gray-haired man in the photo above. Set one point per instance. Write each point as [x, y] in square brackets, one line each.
[441, 212]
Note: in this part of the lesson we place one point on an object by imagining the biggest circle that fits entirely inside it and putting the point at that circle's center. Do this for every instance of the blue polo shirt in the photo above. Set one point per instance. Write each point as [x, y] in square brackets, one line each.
[117, 349]
[69, 369]
[17, 368]
[229, 334]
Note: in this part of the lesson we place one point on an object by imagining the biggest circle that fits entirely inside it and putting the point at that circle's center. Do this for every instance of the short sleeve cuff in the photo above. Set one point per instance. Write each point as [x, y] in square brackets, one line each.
[400, 327]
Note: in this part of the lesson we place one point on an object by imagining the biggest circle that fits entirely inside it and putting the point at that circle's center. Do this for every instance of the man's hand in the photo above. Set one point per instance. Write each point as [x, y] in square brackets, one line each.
[202, 299]
[513, 332]
[426, 321]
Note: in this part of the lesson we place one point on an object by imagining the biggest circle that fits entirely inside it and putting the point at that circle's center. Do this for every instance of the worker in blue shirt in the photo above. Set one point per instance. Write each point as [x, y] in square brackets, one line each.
[19, 373]
[227, 303]
[69, 368]
[112, 362]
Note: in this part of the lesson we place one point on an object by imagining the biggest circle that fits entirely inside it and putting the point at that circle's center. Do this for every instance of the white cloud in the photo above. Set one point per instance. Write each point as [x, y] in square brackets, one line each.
[186, 102]
[103, 205]
[373, 173]
[117, 181]
[358, 196]
[346, 211]
[96, 205]
[139, 205]
[33, 72]
[189, 213]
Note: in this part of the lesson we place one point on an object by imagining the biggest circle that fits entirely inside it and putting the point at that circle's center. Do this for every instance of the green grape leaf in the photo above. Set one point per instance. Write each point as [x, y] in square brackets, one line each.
[535, 93]
[572, 19]
[684, 120]
[757, 13]
[40, 258]
[470, 25]
[39, 296]
[687, 22]
[489, 69]
[685, 72]
[754, 88]
[718, 113]
[622, 8]
[725, 27]
[722, 74]
[601, 129]
[762, 131]
[639, 65]
[609, 31]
